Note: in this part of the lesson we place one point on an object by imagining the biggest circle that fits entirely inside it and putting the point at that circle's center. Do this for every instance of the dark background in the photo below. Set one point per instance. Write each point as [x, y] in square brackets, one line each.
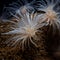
[6, 3]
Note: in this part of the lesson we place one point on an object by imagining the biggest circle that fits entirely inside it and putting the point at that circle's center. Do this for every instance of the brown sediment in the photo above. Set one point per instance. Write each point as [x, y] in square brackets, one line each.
[16, 53]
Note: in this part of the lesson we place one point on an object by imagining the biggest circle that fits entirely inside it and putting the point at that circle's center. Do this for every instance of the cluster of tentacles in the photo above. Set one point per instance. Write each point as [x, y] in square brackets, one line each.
[26, 20]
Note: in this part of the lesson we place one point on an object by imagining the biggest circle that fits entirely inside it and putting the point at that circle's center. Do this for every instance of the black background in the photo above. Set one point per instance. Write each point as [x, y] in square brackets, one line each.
[6, 3]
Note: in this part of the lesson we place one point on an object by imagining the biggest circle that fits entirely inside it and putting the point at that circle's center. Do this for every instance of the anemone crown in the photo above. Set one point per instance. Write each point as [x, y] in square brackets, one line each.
[50, 13]
[30, 31]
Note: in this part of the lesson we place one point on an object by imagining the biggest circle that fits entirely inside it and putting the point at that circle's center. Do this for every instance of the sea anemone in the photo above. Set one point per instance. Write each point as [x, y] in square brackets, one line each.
[18, 5]
[51, 15]
[27, 27]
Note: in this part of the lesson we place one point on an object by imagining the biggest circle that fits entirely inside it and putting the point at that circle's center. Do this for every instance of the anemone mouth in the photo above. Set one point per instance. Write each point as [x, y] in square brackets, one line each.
[30, 32]
[50, 14]
[23, 9]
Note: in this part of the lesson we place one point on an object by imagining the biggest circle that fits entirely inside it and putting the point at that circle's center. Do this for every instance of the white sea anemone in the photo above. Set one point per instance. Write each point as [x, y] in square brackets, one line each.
[27, 27]
[52, 12]
[18, 5]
